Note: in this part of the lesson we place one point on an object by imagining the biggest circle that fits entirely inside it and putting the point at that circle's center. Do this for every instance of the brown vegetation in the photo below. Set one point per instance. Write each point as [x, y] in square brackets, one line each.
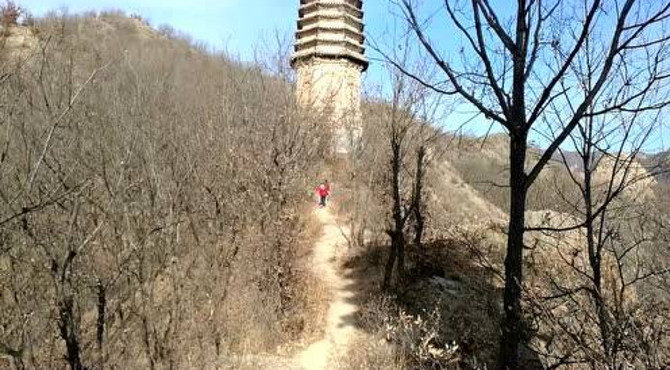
[151, 201]
[10, 14]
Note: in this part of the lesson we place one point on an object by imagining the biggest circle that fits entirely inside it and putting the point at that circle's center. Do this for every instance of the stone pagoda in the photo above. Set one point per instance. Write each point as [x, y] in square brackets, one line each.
[329, 59]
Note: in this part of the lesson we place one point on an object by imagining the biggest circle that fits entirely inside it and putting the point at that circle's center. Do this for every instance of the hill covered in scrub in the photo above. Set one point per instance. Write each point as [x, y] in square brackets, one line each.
[124, 243]
[481, 162]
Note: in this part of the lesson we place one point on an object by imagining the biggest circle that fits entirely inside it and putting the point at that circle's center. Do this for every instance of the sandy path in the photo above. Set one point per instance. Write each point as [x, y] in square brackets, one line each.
[339, 326]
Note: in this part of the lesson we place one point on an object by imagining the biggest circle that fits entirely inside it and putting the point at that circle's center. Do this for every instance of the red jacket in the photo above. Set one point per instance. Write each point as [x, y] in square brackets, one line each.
[323, 190]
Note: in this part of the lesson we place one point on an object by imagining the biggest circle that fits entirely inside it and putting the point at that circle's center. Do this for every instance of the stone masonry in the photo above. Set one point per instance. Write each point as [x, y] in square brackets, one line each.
[329, 59]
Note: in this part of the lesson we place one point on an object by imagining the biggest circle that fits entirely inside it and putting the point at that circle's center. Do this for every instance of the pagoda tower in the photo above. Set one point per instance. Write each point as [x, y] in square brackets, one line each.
[329, 60]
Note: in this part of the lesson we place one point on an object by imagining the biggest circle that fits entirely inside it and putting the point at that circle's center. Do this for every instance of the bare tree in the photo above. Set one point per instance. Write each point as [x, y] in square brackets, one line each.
[426, 153]
[399, 120]
[618, 239]
[515, 64]
[407, 138]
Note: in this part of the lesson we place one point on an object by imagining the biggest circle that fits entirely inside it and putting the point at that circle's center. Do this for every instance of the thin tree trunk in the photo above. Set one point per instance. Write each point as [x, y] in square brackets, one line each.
[601, 308]
[67, 326]
[100, 326]
[419, 217]
[400, 269]
[398, 217]
[595, 255]
[511, 325]
[388, 271]
[396, 232]
[360, 233]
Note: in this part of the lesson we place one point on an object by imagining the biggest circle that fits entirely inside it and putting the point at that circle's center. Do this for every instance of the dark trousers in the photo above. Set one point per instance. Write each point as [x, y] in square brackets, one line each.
[322, 200]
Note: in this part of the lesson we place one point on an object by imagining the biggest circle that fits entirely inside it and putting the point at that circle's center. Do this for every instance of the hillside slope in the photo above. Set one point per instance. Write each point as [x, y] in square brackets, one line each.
[152, 196]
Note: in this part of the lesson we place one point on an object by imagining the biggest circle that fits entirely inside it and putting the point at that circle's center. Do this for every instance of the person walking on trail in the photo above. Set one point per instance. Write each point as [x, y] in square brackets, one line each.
[323, 191]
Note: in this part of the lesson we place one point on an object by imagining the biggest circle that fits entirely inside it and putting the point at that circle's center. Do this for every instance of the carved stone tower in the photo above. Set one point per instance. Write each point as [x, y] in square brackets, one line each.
[329, 59]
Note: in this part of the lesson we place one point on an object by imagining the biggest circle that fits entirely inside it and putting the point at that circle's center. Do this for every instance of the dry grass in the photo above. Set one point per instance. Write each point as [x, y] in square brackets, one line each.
[372, 352]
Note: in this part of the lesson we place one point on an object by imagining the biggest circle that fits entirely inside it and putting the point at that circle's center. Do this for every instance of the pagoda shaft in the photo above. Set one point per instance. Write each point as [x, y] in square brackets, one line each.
[329, 59]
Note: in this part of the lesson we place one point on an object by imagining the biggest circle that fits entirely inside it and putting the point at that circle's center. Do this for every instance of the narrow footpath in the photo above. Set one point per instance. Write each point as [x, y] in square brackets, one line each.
[339, 329]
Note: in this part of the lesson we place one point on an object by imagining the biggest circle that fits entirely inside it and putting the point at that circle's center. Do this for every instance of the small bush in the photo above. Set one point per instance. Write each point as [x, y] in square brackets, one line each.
[419, 339]
[414, 340]
[28, 20]
[10, 13]
[140, 18]
[167, 31]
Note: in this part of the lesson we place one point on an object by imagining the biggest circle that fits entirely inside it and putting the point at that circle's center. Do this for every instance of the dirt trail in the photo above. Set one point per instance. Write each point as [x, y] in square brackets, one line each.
[339, 326]
[339, 329]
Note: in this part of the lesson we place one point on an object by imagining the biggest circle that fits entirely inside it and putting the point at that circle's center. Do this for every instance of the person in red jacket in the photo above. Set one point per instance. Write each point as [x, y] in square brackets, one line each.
[323, 191]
